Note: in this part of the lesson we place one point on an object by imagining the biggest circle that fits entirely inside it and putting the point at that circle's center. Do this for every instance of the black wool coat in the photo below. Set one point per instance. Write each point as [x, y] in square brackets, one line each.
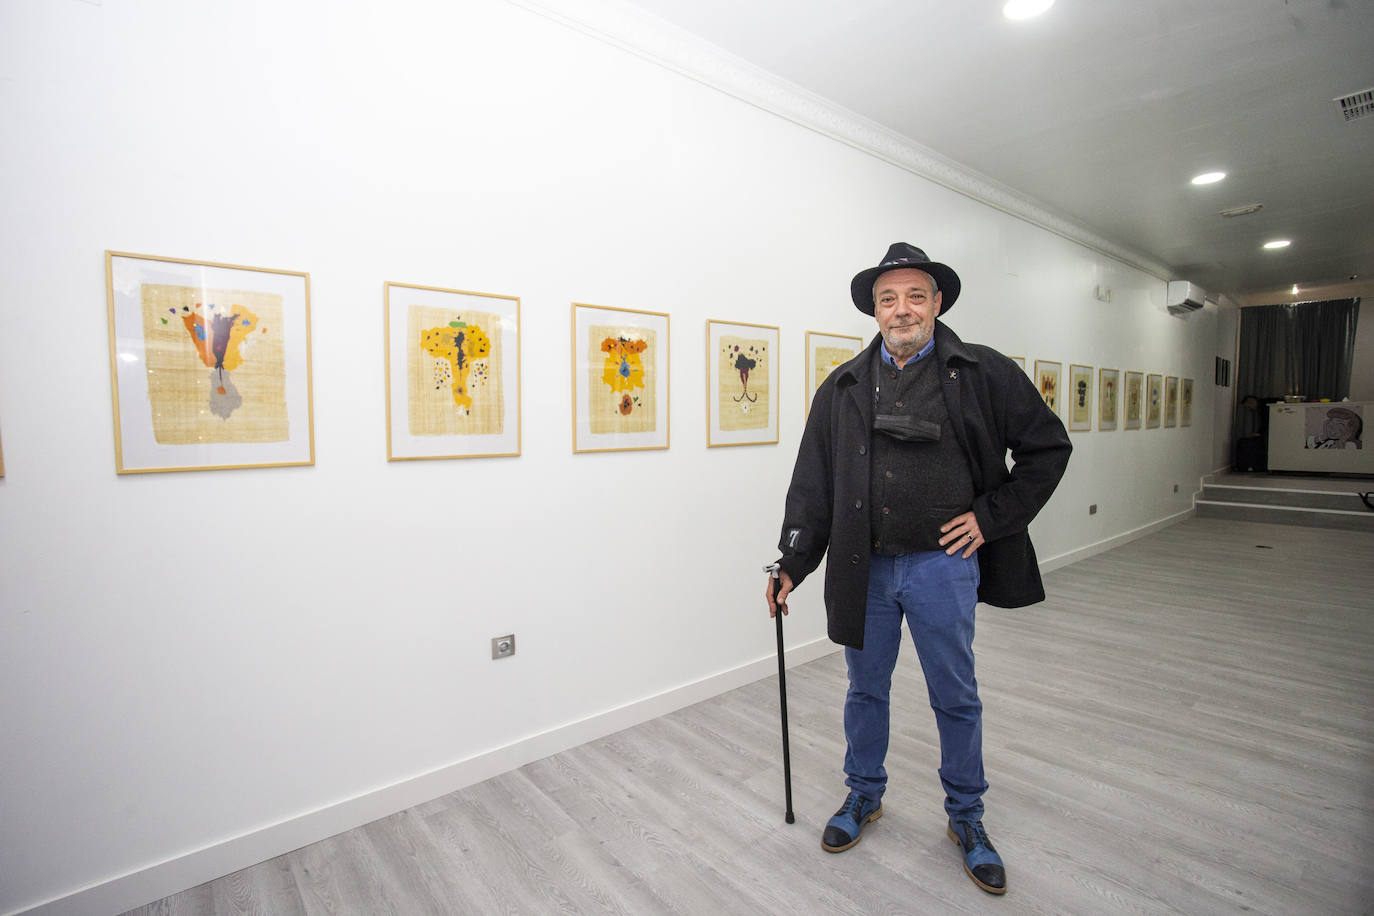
[994, 408]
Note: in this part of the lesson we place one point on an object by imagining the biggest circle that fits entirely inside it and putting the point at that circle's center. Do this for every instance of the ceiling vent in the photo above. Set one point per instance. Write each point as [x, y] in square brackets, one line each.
[1356, 105]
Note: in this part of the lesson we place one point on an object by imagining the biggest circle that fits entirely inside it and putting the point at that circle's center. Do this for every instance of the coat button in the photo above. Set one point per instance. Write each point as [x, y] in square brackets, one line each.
[887, 474]
[899, 403]
[877, 545]
[884, 510]
[854, 559]
[858, 504]
[863, 450]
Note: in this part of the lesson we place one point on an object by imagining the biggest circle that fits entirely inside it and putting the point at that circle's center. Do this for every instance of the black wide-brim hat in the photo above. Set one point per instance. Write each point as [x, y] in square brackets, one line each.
[902, 256]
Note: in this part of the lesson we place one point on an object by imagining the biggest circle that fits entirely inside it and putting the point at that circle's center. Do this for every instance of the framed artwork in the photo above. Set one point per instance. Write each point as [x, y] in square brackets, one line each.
[1185, 404]
[741, 384]
[1019, 360]
[452, 373]
[1135, 400]
[824, 354]
[619, 379]
[1171, 400]
[209, 365]
[1154, 400]
[1080, 397]
[1047, 382]
[1223, 372]
[2, 462]
[1108, 395]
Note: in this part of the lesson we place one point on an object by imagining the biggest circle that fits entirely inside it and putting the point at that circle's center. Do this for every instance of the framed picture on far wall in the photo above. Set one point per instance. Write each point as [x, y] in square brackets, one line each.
[1171, 400]
[824, 354]
[209, 364]
[1080, 397]
[1019, 360]
[619, 379]
[1134, 393]
[1047, 382]
[1108, 396]
[741, 384]
[1185, 404]
[452, 373]
[1154, 400]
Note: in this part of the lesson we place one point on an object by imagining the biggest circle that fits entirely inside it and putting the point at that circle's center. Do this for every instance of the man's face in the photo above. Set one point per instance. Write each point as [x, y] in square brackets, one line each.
[905, 304]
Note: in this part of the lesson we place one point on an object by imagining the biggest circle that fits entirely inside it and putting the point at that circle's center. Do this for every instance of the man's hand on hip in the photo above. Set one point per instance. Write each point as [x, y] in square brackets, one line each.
[961, 533]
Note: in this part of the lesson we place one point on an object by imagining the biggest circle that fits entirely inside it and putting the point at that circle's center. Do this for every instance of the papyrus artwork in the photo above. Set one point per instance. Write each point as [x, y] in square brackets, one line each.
[216, 366]
[453, 372]
[743, 381]
[622, 378]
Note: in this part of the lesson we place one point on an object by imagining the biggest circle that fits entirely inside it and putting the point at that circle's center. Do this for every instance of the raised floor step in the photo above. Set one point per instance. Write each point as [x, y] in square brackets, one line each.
[1363, 520]
[1348, 501]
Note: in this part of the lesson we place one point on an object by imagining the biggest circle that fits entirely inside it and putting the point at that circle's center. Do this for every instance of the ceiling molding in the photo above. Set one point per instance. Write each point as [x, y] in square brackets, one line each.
[1362, 289]
[631, 29]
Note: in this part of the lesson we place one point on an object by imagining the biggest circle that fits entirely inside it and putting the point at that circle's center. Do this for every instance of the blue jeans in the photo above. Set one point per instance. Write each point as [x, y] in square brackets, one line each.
[937, 593]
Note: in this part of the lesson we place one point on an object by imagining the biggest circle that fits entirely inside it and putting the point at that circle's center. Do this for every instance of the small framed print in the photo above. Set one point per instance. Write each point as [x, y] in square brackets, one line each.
[1108, 397]
[1047, 382]
[2, 462]
[619, 379]
[741, 384]
[1019, 360]
[1135, 400]
[1171, 400]
[452, 373]
[209, 365]
[1185, 404]
[824, 354]
[1154, 400]
[1080, 397]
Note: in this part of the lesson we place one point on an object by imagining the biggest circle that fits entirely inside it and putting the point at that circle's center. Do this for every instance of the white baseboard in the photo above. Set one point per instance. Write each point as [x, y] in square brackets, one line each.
[163, 879]
[1082, 553]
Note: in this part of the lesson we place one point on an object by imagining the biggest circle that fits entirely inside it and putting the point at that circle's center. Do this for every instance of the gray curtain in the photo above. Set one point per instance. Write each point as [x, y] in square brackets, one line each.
[1304, 349]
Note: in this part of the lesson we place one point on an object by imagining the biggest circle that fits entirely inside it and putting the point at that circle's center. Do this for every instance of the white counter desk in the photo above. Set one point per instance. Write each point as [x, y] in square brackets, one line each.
[1329, 437]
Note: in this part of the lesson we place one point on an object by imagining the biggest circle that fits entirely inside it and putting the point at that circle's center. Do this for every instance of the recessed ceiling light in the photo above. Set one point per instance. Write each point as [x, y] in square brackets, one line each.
[1025, 9]
[1295, 289]
[1278, 243]
[1209, 178]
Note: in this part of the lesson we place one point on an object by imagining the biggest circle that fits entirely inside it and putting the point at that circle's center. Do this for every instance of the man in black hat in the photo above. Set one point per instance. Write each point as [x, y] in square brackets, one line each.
[902, 476]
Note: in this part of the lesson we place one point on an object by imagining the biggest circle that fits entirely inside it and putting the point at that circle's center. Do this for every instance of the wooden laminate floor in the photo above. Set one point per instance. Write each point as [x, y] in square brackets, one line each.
[1184, 726]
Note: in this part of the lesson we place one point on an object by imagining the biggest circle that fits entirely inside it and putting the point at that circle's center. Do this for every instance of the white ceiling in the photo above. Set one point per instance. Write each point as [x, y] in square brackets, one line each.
[1102, 111]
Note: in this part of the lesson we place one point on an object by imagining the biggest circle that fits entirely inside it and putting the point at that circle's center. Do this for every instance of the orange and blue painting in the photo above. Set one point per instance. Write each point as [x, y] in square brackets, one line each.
[622, 384]
[215, 365]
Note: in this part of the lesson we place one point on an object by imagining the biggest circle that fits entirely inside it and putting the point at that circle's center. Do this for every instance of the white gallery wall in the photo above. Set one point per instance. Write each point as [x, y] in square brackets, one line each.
[200, 670]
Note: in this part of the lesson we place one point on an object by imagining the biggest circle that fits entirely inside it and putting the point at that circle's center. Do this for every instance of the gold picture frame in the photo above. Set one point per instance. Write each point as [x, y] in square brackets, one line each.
[1108, 398]
[1080, 411]
[452, 373]
[1133, 405]
[620, 376]
[825, 353]
[1019, 360]
[1185, 403]
[741, 383]
[1047, 382]
[209, 365]
[1154, 400]
[1171, 401]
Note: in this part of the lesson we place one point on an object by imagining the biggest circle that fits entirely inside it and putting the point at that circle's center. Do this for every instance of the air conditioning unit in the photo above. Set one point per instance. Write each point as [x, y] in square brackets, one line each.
[1184, 297]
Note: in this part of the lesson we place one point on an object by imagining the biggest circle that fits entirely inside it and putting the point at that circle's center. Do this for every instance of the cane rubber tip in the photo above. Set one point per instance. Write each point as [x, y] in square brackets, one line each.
[791, 818]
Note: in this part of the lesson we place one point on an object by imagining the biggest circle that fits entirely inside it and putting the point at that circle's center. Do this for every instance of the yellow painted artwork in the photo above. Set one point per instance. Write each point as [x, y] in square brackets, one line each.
[453, 372]
[622, 379]
[744, 394]
[828, 359]
[216, 365]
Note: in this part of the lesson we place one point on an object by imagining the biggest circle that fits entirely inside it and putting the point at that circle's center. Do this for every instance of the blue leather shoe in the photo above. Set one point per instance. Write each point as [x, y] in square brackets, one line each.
[981, 860]
[842, 831]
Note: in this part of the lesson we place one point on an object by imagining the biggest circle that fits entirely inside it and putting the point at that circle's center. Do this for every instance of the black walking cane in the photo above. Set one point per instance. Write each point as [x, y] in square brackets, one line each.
[772, 570]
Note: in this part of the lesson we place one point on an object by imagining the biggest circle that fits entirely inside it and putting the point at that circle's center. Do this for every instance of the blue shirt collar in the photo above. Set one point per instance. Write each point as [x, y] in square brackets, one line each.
[892, 360]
